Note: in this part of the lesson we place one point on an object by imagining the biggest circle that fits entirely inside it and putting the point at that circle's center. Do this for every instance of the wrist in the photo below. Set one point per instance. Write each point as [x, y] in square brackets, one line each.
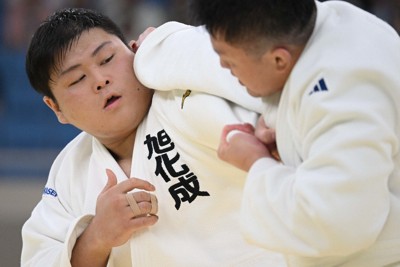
[94, 237]
[90, 247]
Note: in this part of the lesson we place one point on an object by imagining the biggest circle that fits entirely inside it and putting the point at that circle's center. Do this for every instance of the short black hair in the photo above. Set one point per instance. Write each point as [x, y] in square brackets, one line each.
[241, 21]
[54, 38]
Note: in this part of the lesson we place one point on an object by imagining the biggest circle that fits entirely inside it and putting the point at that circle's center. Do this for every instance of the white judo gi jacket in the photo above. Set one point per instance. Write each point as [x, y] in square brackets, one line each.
[335, 200]
[199, 196]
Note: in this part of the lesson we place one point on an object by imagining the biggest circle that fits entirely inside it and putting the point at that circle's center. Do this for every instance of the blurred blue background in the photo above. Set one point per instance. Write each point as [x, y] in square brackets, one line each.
[30, 135]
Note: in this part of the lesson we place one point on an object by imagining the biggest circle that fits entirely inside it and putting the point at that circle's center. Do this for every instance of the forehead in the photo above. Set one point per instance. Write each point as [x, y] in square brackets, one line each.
[88, 42]
[227, 50]
[241, 50]
[219, 44]
[82, 46]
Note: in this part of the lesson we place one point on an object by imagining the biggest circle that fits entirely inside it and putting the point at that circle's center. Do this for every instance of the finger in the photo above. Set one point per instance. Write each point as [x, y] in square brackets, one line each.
[223, 139]
[274, 151]
[263, 132]
[266, 135]
[275, 154]
[141, 196]
[231, 134]
[134, 45]
[142, 222]
[147, 202]
[229, 130]
[146, 209]
[112, 180]
[149, 30]
[133, 205]
[131, 42]
[144, 34]
[135, 183]
[154, 204]
[247, 128]
[261, 122]
[244, 127]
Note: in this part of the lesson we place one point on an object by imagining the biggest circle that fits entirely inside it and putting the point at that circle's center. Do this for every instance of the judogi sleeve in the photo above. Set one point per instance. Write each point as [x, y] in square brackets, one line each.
[50, 234]
[178, 56]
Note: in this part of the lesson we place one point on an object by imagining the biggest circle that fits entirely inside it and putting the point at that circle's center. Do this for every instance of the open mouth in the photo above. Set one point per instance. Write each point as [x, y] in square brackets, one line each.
[111, 100]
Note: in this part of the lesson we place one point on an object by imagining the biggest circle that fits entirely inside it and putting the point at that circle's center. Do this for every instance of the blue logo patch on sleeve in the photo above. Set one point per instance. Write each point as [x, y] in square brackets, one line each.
[49, 191]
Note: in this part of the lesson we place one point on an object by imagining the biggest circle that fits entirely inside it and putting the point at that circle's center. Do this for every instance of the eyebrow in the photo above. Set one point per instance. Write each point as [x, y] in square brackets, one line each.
[94, 53]
[217, 51]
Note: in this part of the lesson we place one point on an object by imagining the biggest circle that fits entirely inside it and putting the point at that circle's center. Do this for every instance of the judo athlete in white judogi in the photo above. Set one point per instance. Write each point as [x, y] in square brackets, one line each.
[334, 200]
[84, 217]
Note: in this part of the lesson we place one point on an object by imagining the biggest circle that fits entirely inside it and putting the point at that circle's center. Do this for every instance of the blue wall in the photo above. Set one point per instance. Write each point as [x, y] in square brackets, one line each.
[25, 121]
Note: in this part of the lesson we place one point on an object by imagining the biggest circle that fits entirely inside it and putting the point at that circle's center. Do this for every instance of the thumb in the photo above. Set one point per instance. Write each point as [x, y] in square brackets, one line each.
[266, 135]
[112, 180]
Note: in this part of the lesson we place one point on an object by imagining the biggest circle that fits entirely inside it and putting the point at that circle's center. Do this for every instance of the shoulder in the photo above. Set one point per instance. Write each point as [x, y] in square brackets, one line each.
[76, 149]
[353, 24]
[72, 158]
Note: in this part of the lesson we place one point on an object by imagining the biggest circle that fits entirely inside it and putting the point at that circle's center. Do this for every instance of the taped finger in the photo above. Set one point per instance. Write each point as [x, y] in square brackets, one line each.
[133, 204]
[154, 204]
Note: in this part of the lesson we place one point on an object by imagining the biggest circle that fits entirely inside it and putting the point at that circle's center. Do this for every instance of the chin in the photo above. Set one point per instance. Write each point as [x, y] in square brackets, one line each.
[254, 94]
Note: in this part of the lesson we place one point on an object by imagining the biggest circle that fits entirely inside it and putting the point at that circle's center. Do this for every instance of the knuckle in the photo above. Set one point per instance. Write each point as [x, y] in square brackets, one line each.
[141, 196]
[145, 207]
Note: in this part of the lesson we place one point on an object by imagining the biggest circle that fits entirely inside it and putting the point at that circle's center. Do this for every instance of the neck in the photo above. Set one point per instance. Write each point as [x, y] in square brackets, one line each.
[122, 150]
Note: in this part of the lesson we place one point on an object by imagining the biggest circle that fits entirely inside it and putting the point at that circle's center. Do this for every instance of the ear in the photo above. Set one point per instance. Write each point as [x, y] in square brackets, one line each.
[56, 109]
[281, 59]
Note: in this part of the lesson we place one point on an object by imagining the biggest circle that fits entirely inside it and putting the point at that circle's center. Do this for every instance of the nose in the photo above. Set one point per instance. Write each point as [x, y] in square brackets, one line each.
[223, 64]
[102, 85]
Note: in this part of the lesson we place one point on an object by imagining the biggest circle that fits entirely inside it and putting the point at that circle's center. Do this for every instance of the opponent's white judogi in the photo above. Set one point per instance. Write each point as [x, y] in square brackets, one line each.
[199, 196]
[336, 199]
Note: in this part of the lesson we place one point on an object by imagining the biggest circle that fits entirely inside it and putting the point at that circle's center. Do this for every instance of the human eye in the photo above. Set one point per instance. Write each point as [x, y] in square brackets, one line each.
[107, 60]
[78, 80]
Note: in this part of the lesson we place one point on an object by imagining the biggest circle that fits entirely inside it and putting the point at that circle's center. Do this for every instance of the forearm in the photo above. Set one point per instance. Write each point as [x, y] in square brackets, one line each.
[192, 64]
[88, 251]
[50, 242]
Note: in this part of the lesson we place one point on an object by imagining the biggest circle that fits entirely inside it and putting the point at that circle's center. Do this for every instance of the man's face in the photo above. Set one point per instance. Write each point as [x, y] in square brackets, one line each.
[256, 73]
[96, 88]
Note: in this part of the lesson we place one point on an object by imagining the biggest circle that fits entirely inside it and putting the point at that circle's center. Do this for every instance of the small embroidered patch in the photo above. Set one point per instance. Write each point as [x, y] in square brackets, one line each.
[319, 87]
[186, 94]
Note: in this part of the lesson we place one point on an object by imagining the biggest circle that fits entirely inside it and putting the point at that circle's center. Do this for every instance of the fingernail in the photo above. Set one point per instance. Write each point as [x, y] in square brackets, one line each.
[134, 47]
